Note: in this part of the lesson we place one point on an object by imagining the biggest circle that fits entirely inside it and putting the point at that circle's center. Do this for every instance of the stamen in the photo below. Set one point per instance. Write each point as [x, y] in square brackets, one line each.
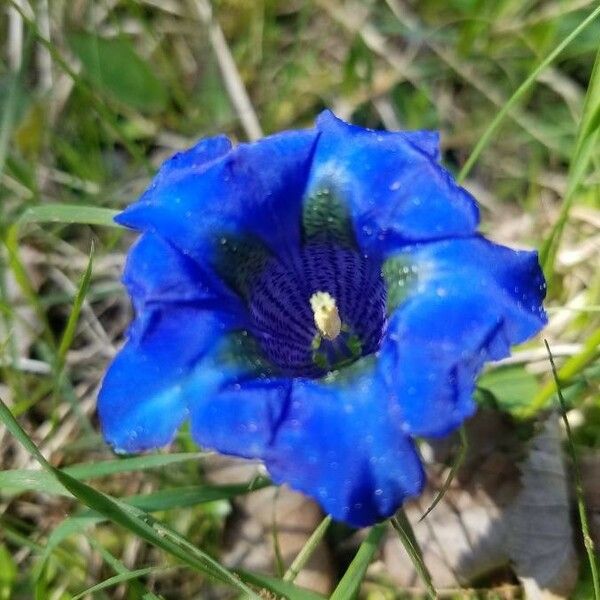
[326, 315]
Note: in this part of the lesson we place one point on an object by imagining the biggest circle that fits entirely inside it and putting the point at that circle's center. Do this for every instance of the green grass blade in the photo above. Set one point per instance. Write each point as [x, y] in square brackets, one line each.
[134, 520]
[182, 497]
[485, 138]
[69, 213]
[307, 550]
[349, 585]
[116, 579]
[161, 500]
[69, 332]
[150, 530]
[571, 367]
[137, 589]
[403, 527]
[19, 480]
[460, 458]
[585, 145]
[107, 116]
[283, 589]
[585, 528]
[8, 117]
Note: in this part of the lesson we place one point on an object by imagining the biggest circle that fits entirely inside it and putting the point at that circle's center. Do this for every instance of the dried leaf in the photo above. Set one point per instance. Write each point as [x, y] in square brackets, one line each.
[499, 511]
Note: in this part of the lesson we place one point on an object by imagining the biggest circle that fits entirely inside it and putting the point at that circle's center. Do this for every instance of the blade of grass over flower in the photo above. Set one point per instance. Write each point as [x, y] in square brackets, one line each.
[307, 550]
[460, 458]
[519, 93]
[352, 578]
[402, 525]
[134, 520]
[283, 589]
[571, 368]
[585, 145]
[585, 529]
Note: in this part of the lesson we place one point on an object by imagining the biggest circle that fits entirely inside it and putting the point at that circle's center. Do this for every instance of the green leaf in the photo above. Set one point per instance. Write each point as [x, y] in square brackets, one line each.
[69, 213]
[350, 583]
[520, 93]
[8, 573]
[69, 332]
[128, 517]
[156, 501]
[307, 550]
[513, 388]
[283, 589]
[586, 147]
[406, 534]
[19, 480]
[116, 579]
[115, 67]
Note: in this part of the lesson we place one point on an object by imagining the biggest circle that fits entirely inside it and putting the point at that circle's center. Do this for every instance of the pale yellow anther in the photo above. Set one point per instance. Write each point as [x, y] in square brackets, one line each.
[326, 315]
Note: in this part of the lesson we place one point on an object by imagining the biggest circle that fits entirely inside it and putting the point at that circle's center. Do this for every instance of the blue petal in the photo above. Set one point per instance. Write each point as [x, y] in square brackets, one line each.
[472, 299]
[142, 400]
[341, 443]
[194, 160]
[240, 418]
[157, 273]
[396, 191]
[253, 190]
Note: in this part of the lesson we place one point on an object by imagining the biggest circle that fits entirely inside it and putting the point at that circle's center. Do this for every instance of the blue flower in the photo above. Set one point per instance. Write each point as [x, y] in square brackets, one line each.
[316, 300]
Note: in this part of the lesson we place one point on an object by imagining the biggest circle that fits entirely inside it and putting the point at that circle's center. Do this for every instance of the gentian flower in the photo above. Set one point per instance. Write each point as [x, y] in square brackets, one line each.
[317, 300]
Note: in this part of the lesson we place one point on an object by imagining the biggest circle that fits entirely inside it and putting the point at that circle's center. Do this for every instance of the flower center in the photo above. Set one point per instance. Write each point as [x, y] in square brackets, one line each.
[318, 306]
[314, 312]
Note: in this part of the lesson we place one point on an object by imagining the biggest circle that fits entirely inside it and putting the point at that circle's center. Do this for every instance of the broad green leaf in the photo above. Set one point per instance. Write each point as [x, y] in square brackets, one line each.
[114, 66]
[512, 388]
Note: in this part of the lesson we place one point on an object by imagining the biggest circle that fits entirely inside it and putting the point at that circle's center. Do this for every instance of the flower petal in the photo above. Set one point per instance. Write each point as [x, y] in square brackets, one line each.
[142, 400]
[157, 273]
[253, 190]
[240, 418]
[470, 301]
[394, 188]
[341, 443]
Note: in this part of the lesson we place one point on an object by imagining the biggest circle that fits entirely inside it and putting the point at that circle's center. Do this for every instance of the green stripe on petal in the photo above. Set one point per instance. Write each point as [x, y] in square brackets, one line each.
[325, 216]
[400, 275]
